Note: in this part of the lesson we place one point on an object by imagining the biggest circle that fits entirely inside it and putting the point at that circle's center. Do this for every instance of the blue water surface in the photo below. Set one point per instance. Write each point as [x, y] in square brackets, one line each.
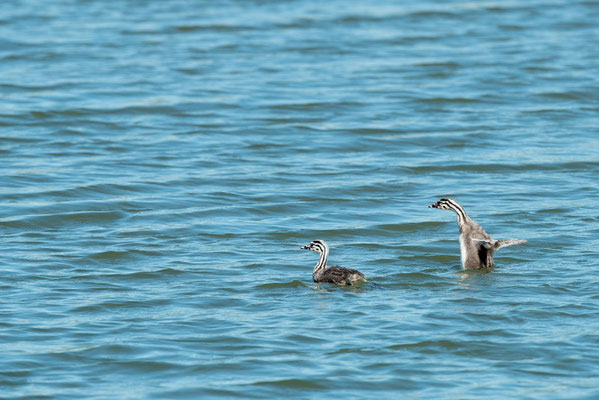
[162, 163]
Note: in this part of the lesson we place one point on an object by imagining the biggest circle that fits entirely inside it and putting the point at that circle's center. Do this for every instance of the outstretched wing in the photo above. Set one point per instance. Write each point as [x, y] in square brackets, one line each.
[507, 242]
[497, 244]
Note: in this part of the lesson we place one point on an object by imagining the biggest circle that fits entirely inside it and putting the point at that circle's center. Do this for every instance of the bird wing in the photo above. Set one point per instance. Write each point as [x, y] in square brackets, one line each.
[340, 275]
[486, 243]
[506, 242]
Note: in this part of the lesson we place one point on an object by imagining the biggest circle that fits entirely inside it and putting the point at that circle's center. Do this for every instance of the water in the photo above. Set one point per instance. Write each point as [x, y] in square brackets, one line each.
[162, 163]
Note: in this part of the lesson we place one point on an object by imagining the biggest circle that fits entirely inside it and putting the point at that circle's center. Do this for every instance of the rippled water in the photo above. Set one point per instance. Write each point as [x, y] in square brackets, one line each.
[164, 161]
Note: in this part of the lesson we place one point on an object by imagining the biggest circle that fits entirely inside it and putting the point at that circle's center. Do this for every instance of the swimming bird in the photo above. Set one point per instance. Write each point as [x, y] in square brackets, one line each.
[476, 246]
[334, 274]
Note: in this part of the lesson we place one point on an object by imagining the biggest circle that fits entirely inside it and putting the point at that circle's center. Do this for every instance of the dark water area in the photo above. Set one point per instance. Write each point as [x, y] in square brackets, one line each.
[162, 163]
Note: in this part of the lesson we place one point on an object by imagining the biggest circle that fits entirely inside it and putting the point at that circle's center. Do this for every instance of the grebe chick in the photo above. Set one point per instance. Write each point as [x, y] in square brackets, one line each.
[334, 274]
[476, 246]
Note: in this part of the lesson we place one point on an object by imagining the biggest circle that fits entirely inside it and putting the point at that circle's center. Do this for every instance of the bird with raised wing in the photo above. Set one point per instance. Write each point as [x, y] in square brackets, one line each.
[477, 247]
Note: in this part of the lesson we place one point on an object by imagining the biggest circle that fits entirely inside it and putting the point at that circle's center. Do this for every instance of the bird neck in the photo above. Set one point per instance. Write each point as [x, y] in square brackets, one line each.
[322, 262]
[460, 212]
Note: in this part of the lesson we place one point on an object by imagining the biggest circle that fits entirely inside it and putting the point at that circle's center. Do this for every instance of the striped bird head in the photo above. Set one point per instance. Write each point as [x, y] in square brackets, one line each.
[318, 246]
[444, 204]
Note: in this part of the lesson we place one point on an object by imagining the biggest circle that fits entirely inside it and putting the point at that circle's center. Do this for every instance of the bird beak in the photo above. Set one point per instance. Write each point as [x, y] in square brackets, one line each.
[305, 247]
[435, 205]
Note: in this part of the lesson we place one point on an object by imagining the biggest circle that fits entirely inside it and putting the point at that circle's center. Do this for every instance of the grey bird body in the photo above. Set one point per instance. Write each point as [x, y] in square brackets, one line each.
[335, 274]
[476, 246]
